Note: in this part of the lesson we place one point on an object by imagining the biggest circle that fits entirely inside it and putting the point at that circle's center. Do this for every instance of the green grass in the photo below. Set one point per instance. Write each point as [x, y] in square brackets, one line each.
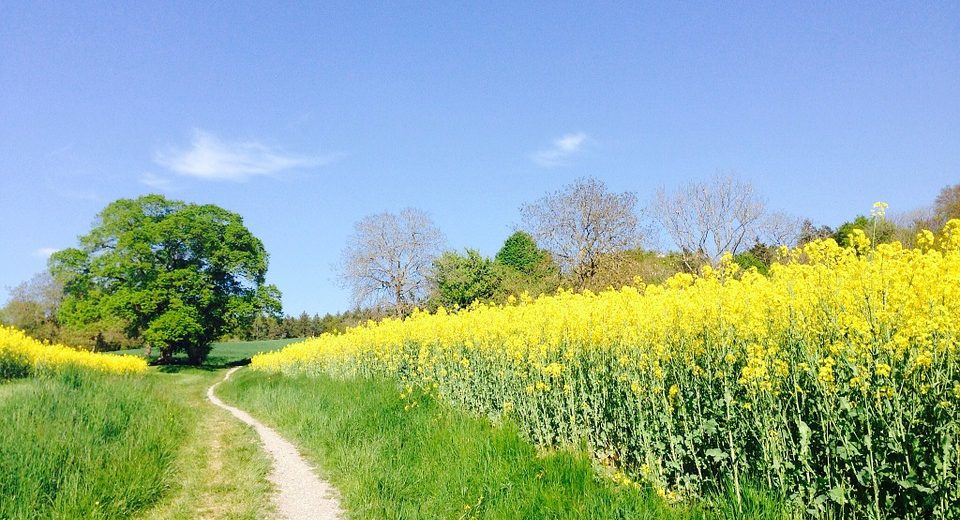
[9, 388]
[433, 461]
[83, 445]
[221, 471]
[231, 352]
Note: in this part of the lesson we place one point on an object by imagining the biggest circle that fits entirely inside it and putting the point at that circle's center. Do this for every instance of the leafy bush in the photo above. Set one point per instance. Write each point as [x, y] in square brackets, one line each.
[520, 251]
[460, 280]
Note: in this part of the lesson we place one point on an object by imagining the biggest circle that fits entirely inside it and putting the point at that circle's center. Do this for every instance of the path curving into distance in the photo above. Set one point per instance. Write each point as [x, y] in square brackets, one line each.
[300, 494]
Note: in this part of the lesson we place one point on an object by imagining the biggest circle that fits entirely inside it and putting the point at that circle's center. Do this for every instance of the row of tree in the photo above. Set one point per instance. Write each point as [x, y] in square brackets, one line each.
[455, 280]
[586, 237]
[174, 276]
[266, 326]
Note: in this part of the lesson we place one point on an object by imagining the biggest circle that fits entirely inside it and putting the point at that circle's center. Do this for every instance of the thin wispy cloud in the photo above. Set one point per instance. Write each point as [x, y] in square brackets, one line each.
[562, 151]
[212, 158]
[156, 182]
[45, 252]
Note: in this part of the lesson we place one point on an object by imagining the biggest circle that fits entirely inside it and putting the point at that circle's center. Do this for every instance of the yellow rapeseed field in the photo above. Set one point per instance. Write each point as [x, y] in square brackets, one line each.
[833, 382]
[21, 355]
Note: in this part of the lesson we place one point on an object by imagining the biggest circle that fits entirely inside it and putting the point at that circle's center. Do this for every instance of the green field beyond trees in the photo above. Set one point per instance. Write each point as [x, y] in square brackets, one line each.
[227, 353]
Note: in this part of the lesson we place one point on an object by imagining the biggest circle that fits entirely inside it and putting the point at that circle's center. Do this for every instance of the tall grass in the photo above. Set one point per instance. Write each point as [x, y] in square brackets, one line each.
[221, 470]
[84, 445]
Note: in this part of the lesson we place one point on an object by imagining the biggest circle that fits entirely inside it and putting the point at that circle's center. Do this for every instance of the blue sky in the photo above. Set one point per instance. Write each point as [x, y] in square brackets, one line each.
[305, 118]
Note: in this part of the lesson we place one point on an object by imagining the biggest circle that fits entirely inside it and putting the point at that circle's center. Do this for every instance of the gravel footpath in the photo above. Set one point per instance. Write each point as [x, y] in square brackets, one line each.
[300, 494]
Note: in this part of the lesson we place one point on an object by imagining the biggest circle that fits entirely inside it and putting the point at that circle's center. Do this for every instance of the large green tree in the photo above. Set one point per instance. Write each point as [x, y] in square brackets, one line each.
[176, 275]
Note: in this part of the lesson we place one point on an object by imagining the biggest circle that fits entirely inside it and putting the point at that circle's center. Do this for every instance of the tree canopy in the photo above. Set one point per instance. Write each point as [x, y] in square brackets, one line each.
[520, 251]
[947, 205]
[460, 280]
[711, 217]
[174, 274]
[879, 230]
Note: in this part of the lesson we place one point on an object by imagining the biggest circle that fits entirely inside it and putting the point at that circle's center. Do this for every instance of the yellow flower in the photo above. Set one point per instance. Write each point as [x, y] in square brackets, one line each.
[553, 369]
[34, 357]
[828, 322]
[883, 370]
[879, 209]
[674, 390]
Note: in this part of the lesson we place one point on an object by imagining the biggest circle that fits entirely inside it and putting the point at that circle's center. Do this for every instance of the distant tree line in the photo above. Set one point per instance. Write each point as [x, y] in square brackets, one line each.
[266, 327]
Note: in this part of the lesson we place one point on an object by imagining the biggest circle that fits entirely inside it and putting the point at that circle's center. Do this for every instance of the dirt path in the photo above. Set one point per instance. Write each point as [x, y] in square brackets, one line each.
[301, 495]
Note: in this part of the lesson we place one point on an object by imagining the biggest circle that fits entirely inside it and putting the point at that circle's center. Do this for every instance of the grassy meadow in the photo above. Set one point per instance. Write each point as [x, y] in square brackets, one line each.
[83, 441]
[228, 353]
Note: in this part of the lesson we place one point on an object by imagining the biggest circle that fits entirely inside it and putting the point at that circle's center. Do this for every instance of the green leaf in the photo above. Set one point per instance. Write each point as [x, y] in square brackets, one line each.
[710, 426]
[717, 454]
[837, 494]
[804, 430]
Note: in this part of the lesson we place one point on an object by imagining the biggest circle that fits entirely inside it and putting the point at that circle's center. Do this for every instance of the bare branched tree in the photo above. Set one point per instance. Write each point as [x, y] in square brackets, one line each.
[388, 258]
[946, 206]
[581, 223]
[932, 217]
[907, 224]
[33, 306]
[779, 229]
[706, 219]
[810, 232]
